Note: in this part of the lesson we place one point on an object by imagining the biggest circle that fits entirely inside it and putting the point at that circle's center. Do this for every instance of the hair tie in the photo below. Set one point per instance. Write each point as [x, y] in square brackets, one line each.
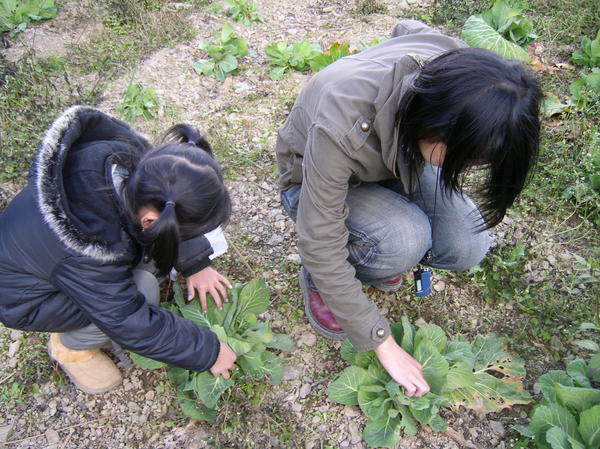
[169, 203]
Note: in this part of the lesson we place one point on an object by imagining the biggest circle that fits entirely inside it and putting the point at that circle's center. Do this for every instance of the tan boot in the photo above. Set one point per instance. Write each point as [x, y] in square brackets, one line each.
[91, 370]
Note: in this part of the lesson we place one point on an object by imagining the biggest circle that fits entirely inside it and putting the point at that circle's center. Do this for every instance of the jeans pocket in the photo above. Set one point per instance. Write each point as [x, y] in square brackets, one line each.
[360, 248]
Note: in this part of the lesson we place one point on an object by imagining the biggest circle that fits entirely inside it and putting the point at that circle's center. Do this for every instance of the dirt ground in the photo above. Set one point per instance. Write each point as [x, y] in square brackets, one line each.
[247, 109]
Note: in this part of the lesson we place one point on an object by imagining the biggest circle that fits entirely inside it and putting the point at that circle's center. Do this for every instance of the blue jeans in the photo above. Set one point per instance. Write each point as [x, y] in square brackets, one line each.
[389, 233]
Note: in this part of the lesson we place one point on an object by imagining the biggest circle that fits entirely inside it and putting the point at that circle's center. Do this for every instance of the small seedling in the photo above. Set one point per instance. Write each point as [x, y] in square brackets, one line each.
[138, 101]
[286, 57]
[16, 15]
[589, 53]
[333, 53]
[223, 54]
[242, 11]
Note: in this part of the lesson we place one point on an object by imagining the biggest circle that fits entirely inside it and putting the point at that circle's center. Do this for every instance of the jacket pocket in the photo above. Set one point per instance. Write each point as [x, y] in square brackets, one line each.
[358, 134]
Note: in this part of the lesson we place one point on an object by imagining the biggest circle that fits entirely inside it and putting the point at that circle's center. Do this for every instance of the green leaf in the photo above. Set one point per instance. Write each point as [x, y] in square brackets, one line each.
[382, 432]
[578, 371]
[435, 367]
[192, 311]
[408, 336]
[557, 438]
[551, 105]
[251, 363]
[238, 346]
[490, 356]
[488, 394]
[197, 411]
[577, 399]
[272, 367]
[209, 388]
[378, 372]
[460, 375]
[254, 298]
[524, 430]
[433, 333]
[437, 424]
[588, 344]
[347, 351]
[547, 416]
[459, 351]
[282, 342]
[407, 422]
[277, 73]
[372, 403]
[477, 33]
[548, 380]
[589, 426]
[344, 389]
[145, 362]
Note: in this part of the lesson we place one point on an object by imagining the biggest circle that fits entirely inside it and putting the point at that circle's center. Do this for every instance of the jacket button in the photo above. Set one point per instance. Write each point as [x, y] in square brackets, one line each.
[380, 333]
[365, 126]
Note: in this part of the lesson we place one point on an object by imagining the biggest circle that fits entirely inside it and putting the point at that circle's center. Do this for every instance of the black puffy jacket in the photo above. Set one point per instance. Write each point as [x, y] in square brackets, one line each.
[66, 257]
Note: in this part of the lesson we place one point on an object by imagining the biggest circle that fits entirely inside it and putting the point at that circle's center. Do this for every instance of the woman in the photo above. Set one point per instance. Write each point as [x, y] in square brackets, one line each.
[371, 160]
[101, 206]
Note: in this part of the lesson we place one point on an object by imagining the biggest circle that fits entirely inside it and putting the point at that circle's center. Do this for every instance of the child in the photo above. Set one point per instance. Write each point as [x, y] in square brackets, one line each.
[371, 160]
[100, 205]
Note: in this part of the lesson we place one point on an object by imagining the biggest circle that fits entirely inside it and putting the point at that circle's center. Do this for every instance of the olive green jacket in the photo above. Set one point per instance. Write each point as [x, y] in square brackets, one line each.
[342, 131]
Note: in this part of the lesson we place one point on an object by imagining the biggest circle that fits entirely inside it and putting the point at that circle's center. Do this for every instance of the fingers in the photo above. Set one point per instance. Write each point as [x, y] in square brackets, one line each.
[224, 280]
[203, 304]
[225, 374]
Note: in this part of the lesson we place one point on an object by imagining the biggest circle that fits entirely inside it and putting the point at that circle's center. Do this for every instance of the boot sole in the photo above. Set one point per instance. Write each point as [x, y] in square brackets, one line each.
[75, 382]
[332, 335]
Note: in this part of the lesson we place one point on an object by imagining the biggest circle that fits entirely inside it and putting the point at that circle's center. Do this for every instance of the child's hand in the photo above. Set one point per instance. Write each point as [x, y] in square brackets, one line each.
[210, 281]
[224, 362]
[402, 367]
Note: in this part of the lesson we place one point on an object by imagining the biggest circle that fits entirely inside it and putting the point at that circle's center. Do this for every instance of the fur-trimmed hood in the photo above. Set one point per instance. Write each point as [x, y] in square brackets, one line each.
[82, 127]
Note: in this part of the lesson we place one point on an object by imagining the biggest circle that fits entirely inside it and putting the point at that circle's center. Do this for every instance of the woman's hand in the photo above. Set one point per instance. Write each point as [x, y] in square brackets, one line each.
[402, 367]
[210, 281]
[224, 362]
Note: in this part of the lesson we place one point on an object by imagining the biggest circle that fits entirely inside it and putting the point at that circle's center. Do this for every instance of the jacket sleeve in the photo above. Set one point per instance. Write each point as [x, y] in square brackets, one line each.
[193, 255]
[108, 296]
[410, 26]
[323, 237]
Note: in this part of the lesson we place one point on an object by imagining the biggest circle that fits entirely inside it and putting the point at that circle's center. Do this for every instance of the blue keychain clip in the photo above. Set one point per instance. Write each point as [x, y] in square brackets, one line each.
[422, 282]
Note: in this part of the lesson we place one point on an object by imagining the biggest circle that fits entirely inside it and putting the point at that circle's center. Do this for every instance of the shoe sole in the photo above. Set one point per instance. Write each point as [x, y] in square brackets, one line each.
[75, 382]
[332, 335]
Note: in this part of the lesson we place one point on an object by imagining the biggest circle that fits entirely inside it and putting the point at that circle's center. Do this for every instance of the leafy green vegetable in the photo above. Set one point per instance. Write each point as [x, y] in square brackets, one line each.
[478, 33]
[332, 54]
[510, 23]
[223, 54]
[296, 56]
[242, 11]
[479, 375]
[15, 15]
[138, 101]
[585, 91]
[569, 414]
[238, 326]
[589, 53]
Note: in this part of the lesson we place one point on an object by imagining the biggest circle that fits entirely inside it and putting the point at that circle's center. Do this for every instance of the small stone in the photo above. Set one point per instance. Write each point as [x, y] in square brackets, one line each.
[305, 390]
[291, 372]
[322, 428]
[52, 436]
[13, 348]
[16, 335]
[439, 286]
[537, 388]
[275, 239]
[473, 432]
[293, 258]
[297, 408]
[350, 412]
[355, 436]
[307, 338]
[498, 428]
[150, 395]
[345, 444]
[5, 433]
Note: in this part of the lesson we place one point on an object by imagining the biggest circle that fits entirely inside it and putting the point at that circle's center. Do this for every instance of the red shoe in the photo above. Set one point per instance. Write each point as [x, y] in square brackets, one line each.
[318, 314]
[393, 285]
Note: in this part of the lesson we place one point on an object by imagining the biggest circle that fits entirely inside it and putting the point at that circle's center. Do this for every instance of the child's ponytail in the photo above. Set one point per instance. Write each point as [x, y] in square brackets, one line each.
[182, 182]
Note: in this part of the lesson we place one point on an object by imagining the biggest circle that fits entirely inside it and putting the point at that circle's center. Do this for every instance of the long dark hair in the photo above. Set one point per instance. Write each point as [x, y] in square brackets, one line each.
[485, 109]
[183, 182]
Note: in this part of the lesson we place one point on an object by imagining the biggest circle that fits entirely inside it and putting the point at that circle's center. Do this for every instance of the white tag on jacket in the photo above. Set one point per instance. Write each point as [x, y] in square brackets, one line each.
[217, 241]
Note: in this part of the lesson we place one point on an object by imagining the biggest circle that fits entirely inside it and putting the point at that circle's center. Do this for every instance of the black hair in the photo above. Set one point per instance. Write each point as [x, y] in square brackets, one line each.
[183, 182]
[485, 109]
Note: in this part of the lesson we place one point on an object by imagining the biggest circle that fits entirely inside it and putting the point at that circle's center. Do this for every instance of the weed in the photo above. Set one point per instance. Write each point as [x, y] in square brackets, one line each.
[223, 54]
[367, 7]
[296, 56]
[138, 101]
[16, 15]
[242, 11]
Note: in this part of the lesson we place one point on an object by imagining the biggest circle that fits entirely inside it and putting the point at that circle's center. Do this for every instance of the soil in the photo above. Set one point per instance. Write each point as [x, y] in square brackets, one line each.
[241, 117]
